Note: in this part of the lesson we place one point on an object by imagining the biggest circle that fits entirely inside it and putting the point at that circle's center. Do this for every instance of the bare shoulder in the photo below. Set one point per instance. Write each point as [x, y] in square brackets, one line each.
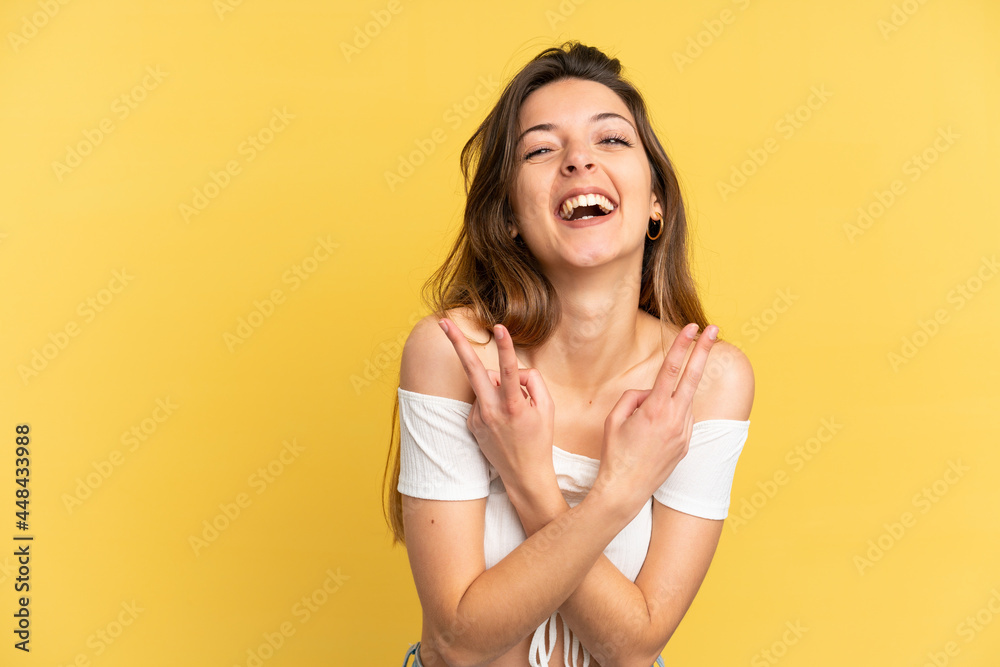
[726, 390]
[430, 364]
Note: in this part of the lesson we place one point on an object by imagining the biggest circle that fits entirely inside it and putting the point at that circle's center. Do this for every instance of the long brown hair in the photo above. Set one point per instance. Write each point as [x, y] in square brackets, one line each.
[497, 277]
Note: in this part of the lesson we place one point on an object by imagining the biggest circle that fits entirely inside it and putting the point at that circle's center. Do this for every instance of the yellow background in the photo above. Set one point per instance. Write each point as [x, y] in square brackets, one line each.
[320, 371]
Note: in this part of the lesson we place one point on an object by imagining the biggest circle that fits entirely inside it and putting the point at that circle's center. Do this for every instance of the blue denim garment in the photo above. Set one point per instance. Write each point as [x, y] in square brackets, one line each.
[414, 651]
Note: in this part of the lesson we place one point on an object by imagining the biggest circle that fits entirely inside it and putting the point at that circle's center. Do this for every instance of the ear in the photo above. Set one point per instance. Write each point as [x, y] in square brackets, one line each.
[655, 210]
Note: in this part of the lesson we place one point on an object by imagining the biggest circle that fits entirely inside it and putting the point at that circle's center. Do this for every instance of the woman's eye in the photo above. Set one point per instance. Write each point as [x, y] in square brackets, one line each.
[617, 138]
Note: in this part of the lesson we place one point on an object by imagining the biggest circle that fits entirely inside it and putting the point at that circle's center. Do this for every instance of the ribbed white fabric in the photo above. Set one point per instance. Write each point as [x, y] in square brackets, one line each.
[440, 459]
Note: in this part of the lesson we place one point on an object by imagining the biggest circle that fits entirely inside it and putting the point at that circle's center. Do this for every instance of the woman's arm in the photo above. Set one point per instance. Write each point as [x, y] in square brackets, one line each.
[626, 623]
[473, 615]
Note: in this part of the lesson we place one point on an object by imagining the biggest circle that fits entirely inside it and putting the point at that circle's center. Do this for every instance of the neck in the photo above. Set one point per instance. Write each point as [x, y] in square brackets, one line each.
[598, 336]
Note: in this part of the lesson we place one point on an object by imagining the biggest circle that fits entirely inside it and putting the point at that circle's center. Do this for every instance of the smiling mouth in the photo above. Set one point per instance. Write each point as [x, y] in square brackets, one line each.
[583, 207]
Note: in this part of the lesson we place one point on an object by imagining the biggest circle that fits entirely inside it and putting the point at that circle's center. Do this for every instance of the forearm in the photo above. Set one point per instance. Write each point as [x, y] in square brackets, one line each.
[607, 612]
[511, 599]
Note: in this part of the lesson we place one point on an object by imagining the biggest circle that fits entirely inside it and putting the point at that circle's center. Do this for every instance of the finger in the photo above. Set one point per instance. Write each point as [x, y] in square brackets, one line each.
[474, 368]
[627, 404]
[495, 376]
[643, 395]
[523, 374]
[510, 378]
[666, 379]
[537, 391]
[696, 365]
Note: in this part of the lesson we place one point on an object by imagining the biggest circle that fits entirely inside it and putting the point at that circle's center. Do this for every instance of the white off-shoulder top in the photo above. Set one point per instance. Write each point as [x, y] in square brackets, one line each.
[440, 459]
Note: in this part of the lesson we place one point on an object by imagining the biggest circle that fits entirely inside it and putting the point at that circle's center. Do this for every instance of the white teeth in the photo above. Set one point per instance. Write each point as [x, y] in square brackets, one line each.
[572, 203]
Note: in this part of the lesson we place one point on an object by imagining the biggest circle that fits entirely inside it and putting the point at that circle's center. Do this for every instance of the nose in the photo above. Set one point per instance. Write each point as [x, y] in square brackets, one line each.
[578, 157]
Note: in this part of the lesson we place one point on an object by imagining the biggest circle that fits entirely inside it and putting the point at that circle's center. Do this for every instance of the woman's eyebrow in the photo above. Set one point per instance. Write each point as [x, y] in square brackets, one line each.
[548, 127]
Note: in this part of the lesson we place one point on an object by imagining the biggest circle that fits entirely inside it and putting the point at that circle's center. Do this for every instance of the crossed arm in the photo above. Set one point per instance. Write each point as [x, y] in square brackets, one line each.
[473, 615]
[626, 623]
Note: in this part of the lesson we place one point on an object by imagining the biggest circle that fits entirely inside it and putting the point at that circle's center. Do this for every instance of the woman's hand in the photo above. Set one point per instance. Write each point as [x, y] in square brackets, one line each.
[514, 431]
[648, 431]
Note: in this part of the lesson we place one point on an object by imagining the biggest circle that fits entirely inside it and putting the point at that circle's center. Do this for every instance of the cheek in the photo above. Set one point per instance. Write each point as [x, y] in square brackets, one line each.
[639, 182]
[528, 200]
[518, 197]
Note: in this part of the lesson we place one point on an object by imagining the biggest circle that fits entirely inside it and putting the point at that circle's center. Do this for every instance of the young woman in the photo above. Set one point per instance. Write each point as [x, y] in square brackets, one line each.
[567, 439]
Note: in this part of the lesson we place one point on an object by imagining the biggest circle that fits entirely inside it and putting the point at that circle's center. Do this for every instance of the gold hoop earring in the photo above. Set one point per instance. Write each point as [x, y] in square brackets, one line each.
[659, 228]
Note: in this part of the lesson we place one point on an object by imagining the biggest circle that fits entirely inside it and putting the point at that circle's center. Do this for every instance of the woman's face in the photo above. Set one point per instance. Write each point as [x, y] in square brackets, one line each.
[576, 137]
